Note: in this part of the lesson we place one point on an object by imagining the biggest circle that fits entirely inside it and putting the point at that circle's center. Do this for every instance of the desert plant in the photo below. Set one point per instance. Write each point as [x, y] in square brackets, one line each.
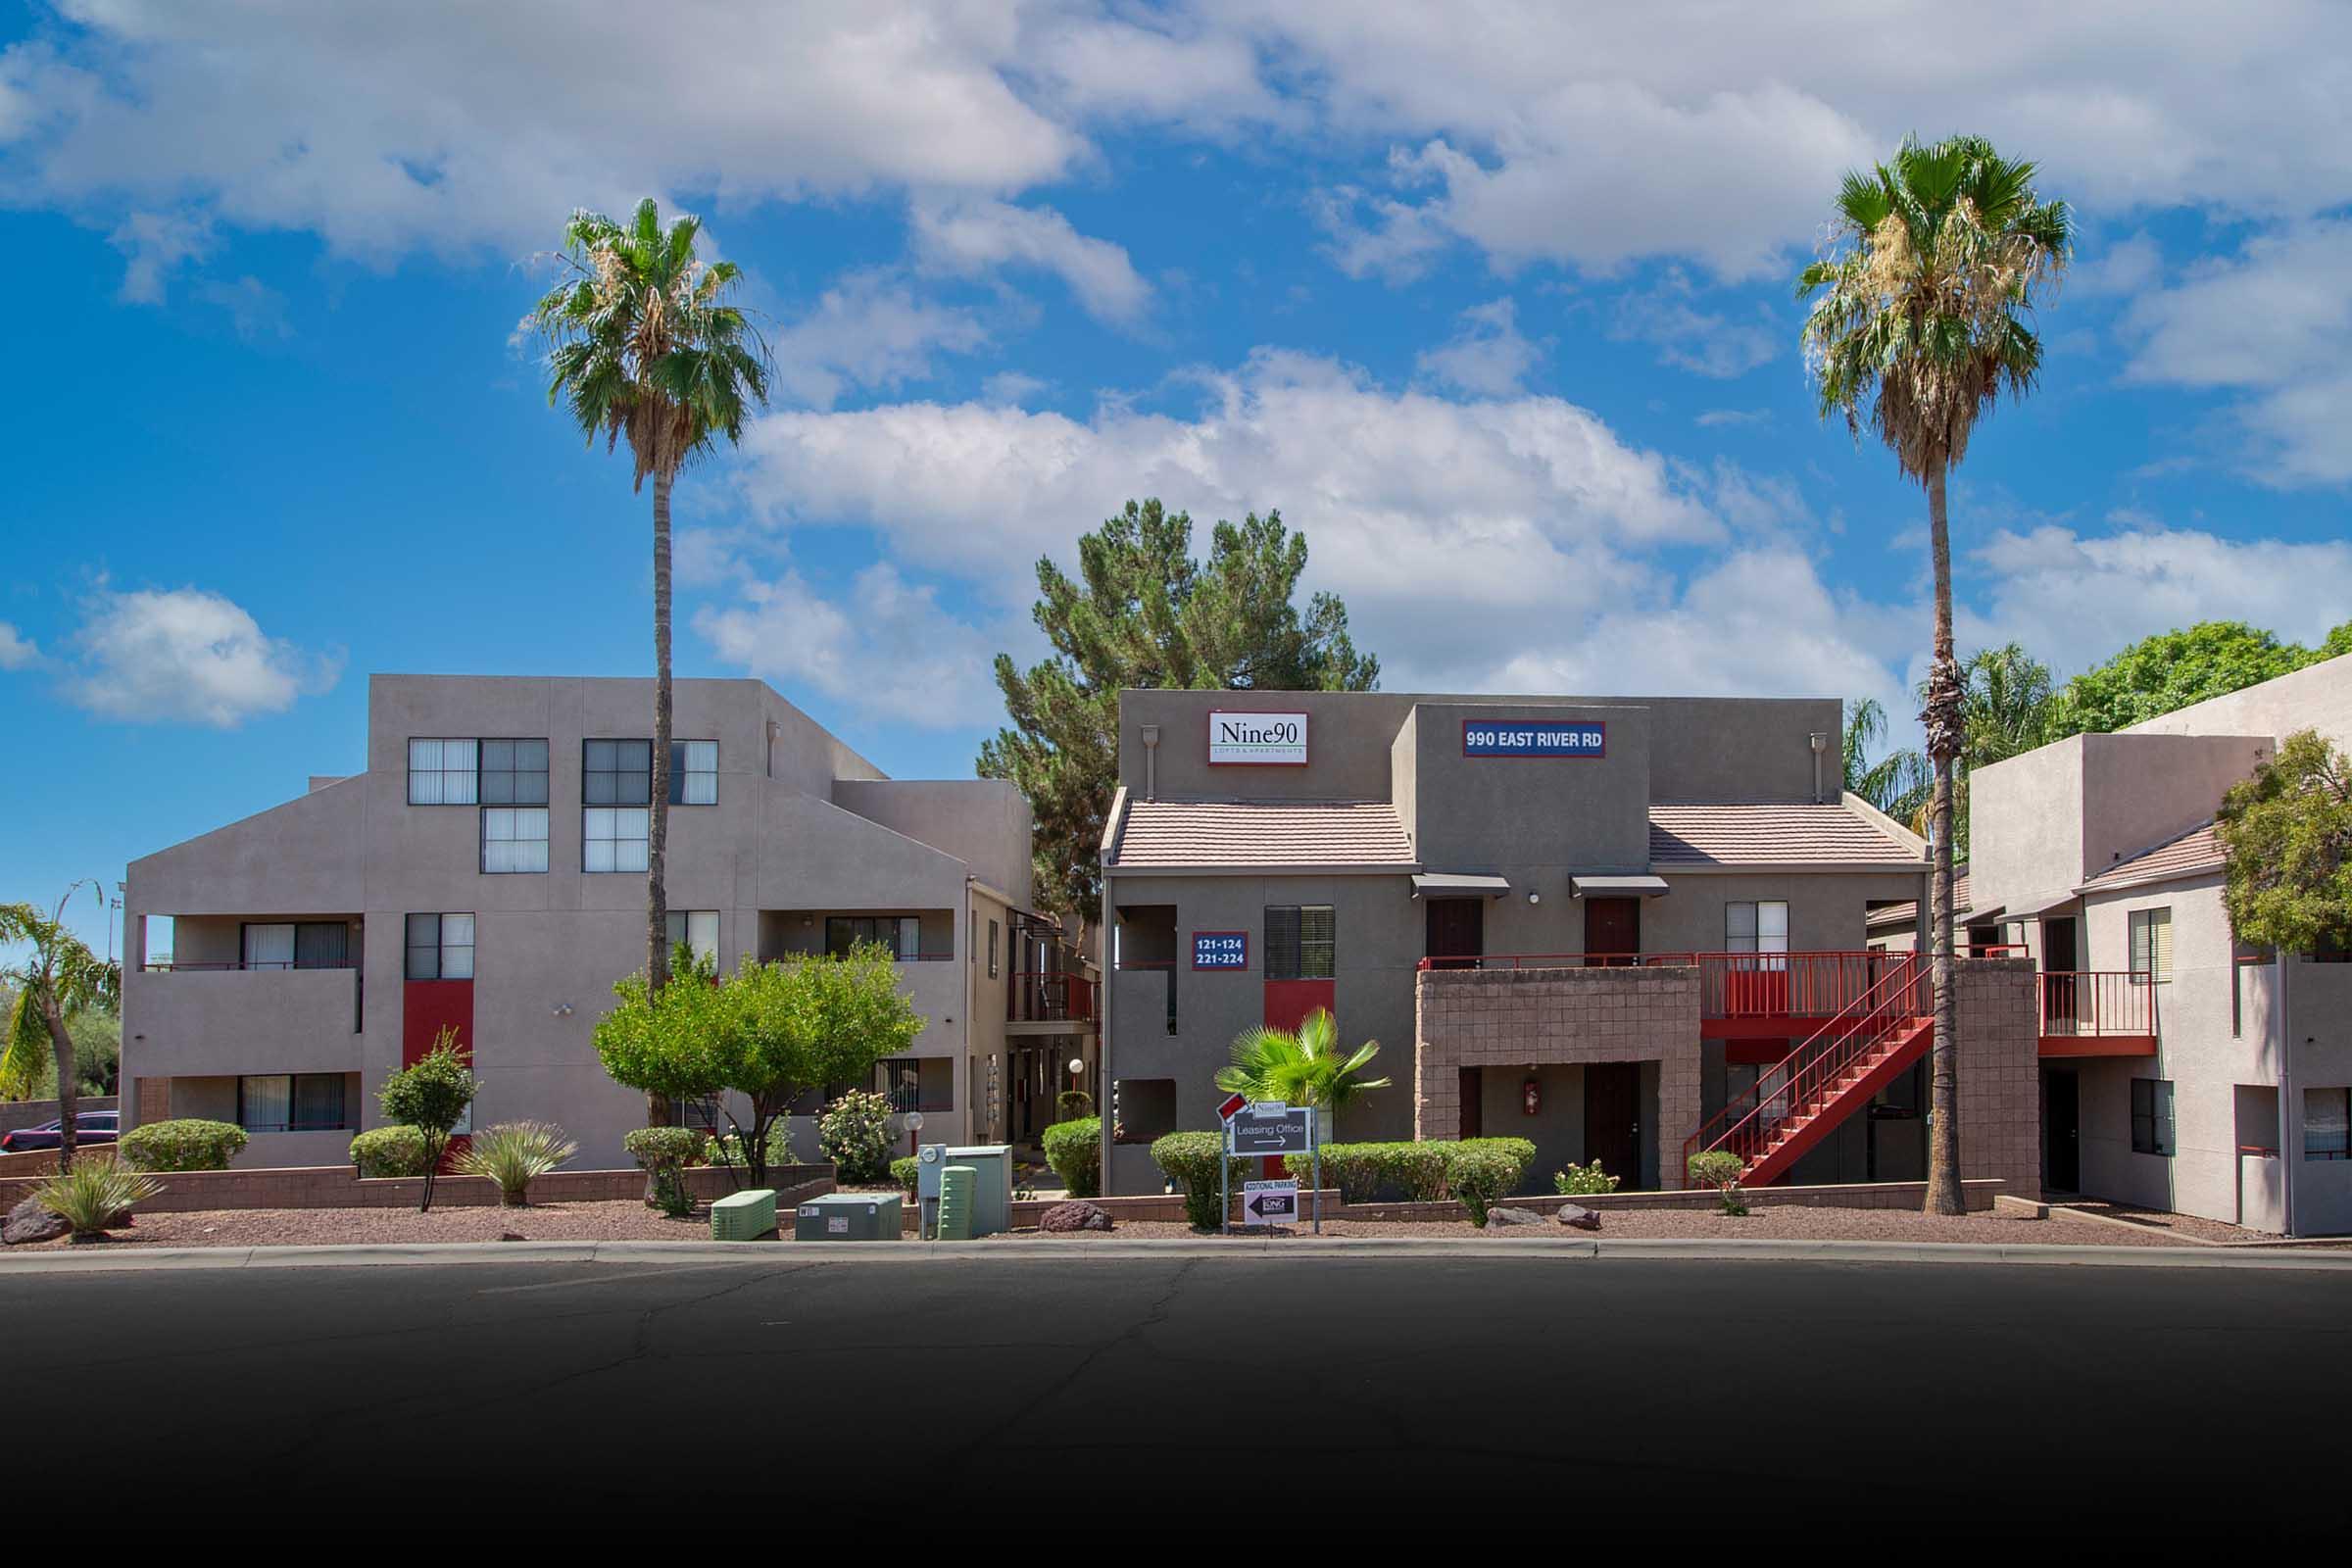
[1074, 1149]
[389, 1151]
[94, 1195]
[55, 978]
[189, 1143]
[1073, 1103]
[854, 1133]
[1479, 1173]
[1720, 1169]
[906, 1171]
[1197, 1163]
[1583, 1181]
[515, 1154]
[433, 1095]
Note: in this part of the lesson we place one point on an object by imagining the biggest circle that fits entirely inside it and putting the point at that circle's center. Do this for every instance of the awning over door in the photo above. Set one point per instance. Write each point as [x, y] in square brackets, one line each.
[1459, 885]
[1617, 887]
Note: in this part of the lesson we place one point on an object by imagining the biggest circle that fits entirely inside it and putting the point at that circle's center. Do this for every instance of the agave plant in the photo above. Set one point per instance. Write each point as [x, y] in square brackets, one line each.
[94, 1195]
[515, 1154]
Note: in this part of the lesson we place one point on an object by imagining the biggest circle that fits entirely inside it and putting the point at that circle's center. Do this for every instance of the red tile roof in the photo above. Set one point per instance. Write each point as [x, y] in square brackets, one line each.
[2190, 854]
[1740, 833]
[1185, 833]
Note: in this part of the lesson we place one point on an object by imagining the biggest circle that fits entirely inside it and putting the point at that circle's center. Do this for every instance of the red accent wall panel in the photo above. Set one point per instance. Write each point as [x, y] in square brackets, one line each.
[1289, 1002]
[427, 1007]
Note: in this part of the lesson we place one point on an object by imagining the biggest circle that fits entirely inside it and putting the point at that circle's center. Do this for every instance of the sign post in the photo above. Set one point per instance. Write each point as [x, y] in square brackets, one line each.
[1265, 1127]
[1226, 1112]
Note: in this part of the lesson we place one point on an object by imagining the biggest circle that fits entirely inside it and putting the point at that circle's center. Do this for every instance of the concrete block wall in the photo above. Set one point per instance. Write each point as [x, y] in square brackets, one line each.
[2000, 1073]
[340, 1187]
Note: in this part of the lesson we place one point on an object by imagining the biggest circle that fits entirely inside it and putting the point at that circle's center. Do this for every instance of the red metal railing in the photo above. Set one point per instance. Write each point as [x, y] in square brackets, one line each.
[1802, 1082]
[1048, 996]
[1731, 985]
[2097, 1001]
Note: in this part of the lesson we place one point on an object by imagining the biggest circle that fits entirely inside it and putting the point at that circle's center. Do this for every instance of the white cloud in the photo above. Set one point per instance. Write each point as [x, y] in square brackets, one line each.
[1703, 342]
[17, 650]
[156, 245]
[867, 331]
[1715, 419]
[889, 646]
[255, 309]
[971, 238]
[1488, 356]
[189, 655]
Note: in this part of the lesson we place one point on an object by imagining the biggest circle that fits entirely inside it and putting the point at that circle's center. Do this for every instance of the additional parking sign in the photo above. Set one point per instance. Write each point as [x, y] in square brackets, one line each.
[1270, 1203]
[1220, 949]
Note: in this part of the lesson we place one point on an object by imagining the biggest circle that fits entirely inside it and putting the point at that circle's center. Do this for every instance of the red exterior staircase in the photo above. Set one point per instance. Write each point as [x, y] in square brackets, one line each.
[1795, 1102]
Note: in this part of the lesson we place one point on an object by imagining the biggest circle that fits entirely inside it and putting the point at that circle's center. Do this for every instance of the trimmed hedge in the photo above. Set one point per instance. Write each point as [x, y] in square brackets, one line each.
[1072, 1104]
[1194, 1162]
[389, 1151]
[1423, 1173]
[665, 1148]
[1074, 1149]
[189, 1143]
[906, 1171]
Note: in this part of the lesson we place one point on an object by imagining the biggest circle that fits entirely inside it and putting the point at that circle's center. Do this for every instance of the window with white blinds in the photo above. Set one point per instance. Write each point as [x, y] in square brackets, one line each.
[613, 838]
[2151, 945]
[443, 772]
[698, 929]
[514, 839]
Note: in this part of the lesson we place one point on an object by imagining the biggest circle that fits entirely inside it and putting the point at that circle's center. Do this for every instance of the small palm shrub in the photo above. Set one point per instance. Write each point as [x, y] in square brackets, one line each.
[1721, 1170]
[1074, 1149]
[514, 1155]
[1583, 1181]
[854, 1134]
[1073, 1103]
[189, 1143]
[1194, 1161]
[96, 1194]
[389, 1151]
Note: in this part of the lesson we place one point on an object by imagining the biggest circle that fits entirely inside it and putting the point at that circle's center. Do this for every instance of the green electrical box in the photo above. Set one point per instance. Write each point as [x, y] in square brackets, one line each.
[744, 1216]
[848, 1218]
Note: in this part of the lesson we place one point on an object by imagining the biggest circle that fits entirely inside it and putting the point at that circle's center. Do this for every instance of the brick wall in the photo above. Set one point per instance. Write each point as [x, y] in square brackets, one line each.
[1907, 1195]
[2000, 1073]
[337, 1187]
[1513, 1017]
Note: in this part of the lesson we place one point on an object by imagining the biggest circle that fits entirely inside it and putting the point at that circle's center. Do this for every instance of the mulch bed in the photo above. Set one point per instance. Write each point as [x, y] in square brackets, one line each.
[1789, 1224]
[622, 1220]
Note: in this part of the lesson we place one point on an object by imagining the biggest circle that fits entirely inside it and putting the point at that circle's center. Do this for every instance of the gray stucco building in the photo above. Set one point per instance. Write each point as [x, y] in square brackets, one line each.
[485, 872]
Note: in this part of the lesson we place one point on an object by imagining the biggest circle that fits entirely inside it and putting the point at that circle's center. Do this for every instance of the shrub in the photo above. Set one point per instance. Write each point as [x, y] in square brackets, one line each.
[906, 1171]
[189, 1143]
[1479, 1173]
[389, 1151]
[1194, 1161]
[1073, 1104]
[1721, 1170]
[854, 1134]
[1517, 1152]
[1074, 1149]
[1363, 1172]
[665, 1148]
[726, 1148]
[95, 1195]
[1579, 1181]
[670, 1194]
[513, 1153]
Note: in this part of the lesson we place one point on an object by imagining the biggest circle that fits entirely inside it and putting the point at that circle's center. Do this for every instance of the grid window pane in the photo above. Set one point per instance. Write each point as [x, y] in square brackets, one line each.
[617, 772]
[513, 772]
[698, 929]
[442, 772]
[2152, 945]
[514, 839]
[694, 773]
[425, 946]
[613, 839]
[456, 946]
[1740, 928]
[1300, 942]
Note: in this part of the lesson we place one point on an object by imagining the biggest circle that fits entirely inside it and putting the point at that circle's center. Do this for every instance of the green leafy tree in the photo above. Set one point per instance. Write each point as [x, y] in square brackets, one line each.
[2006, 709]
[56, 979]
[2287, 834]
[646, 346]
[1923, 304]
[1302, 1069]
[2173, 670]
[1141, 612]
[2338, 644]
[431, 1094]
[1898, 782]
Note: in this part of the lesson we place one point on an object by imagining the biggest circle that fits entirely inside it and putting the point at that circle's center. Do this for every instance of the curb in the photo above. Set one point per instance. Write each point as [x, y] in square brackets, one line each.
[200, 1259]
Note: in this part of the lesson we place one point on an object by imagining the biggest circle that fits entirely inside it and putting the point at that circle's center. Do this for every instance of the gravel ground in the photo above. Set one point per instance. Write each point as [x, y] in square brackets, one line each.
[622, 1220]
[2185, 1229]
[1790, 1224]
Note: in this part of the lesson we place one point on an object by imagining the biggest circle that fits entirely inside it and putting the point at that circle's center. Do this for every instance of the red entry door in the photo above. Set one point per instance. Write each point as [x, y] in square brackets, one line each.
[1612, 930]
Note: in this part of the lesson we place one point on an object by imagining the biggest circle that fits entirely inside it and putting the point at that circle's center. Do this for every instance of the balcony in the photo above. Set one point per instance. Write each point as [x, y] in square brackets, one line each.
[1055, 1001]
[1741, 996]
[2102, 1012]
[223, 1017]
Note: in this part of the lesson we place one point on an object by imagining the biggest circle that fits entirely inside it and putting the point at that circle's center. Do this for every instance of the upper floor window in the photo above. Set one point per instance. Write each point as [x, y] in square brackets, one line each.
[992, 950]
[2151, 1115]
[1301, 942]
[693, 772]
[444, 772]
[617, 772]
[698, 929]
[440, 946]
[1759, 927]
[513, 772]
[919, 1083]
[2151, 945]
[901, 934]
[613, 838]
[514, 837]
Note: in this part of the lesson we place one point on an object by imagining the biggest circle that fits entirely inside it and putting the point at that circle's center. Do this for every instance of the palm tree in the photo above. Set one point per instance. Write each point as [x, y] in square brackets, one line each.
[1896, 783]
[1926, 286]
[646, 347]
[1305, 1068]
[57, 977]
[2006, 707]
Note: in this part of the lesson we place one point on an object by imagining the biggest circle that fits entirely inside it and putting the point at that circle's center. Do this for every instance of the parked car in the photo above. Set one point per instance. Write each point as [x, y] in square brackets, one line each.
[90, 1127]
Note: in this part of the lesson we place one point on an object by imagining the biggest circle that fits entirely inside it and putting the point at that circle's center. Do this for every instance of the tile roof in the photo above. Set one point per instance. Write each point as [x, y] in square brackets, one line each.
[1184, 833]
[1737, 833]
[1907, 913]
[2197, 851]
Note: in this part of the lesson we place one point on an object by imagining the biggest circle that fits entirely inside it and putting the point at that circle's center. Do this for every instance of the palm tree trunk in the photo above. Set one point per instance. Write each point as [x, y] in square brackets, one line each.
[1942, 719]
[69, 1093]
[656, 838]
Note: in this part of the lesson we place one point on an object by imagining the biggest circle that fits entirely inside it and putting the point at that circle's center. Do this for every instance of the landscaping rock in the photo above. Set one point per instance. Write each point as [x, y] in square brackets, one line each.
[1513, 1216]
[1584, 1219]
[1078, 1215]
[28, 1222]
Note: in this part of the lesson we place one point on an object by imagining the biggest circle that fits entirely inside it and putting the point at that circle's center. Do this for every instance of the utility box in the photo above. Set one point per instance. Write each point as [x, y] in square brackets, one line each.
[744, 1216]
[992, 1185]
[848, 1218]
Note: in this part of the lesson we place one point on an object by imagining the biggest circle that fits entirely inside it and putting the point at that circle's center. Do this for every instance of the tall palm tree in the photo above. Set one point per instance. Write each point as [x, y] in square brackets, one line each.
[1898, 782]
[645, 346]
[57, 977]
[1920, 318]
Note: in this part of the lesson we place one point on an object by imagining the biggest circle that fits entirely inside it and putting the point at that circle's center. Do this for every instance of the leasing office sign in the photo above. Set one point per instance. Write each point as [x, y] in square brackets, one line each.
[1259, 739]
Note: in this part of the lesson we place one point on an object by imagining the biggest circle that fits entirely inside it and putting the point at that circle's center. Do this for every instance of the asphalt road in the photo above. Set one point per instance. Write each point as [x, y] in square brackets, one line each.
[1457, 1398]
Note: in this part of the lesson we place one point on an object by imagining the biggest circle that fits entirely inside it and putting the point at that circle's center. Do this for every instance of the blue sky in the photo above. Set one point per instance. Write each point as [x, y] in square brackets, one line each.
[1493, 301]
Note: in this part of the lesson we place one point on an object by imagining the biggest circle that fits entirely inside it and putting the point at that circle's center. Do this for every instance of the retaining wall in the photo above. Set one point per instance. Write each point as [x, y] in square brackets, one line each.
[339, 1187]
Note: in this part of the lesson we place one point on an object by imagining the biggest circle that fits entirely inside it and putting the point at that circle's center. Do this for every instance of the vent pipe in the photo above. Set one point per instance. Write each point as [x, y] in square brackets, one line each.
[1151, 762]
[1821, 743]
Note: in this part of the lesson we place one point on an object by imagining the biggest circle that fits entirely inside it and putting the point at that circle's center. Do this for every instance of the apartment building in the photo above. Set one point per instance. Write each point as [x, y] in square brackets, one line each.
[1625, 928]
[486, 873]
[2179, 1068]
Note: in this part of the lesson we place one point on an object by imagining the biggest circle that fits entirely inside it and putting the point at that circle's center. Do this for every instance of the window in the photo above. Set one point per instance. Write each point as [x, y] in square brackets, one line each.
[297, 945]
[1300, 942]
[514, 838]
[442, 772]
[1142, 1109]
[2151, 945]
[919, 1083]
[440, 946]
[513, 772]
[992, 950]
[2327, 1124]
[613, 838]
[700, 1112]
[617, 773]
[901, 934]
[693, 772]
[698, 929]
[292, 1102]
[1759, 927]
[2152, 1116]
[2332, 949]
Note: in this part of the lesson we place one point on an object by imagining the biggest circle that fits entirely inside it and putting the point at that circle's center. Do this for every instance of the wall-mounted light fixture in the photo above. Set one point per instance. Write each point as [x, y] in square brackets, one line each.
[1532, 897]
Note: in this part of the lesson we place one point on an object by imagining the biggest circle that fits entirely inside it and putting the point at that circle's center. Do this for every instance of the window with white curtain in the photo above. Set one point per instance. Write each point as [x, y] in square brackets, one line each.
[1761, 926]
[698, 929]
[269, 947]
[613, 838]
[2151, 945]
[694, 773]
[297, 1102]
[265, 1103]
[443, 772]
[440, 946]
[514, 839]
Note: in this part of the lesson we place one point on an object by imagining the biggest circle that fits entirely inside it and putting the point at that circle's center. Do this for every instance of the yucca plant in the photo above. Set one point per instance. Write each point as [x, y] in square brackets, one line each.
[95, 1195]
[515, 1154]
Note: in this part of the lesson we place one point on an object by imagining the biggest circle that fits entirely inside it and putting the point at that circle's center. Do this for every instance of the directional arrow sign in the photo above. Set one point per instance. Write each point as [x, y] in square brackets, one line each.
[1269, 1202]
[1287, 1130]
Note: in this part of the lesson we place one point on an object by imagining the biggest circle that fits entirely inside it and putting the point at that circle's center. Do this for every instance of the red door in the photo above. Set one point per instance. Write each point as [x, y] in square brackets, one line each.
[1612, 931]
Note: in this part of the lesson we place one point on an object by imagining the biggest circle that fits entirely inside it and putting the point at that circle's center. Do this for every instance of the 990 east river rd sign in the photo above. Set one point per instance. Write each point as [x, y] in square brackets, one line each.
[1533, 737]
